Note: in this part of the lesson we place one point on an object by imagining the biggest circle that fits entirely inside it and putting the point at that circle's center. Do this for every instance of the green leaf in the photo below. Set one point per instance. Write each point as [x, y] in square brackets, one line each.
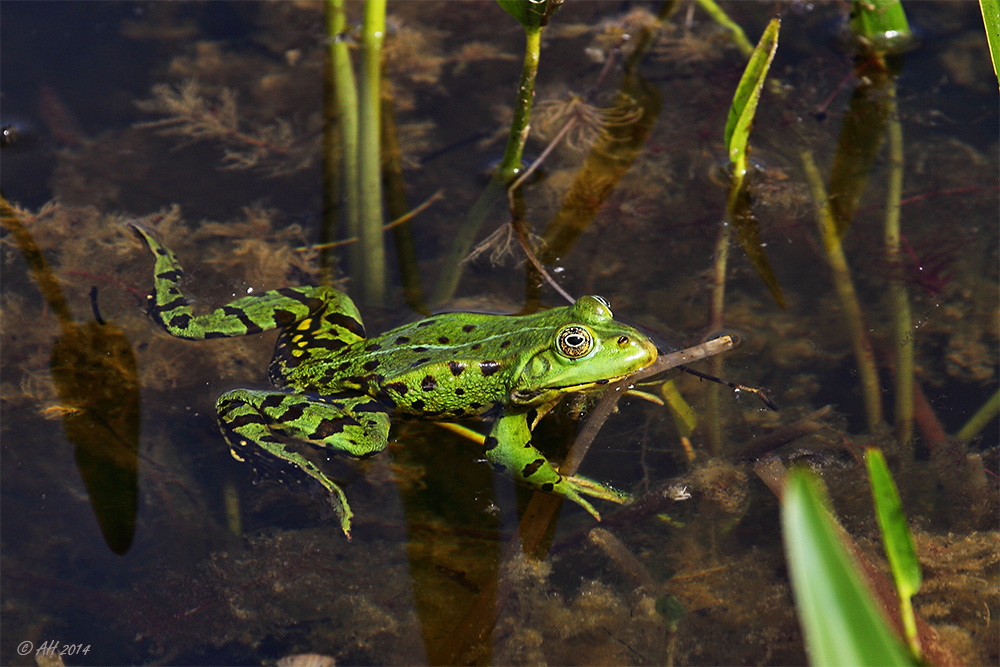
[531, 14]
[991, 21]
[744, 108]
[840, 619]
[896, 535]
[741, 115]
[896, 538]
[882, 24]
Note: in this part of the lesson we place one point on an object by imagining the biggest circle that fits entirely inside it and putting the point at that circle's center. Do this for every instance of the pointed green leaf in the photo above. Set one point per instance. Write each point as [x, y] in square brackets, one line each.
[741, 113]
[897, 539]
[899, 548]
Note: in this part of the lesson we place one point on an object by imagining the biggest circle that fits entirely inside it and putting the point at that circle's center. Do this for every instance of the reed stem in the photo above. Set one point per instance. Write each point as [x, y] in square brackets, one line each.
[978, 422]
[344, 92]
[373, 287]
[844, 286]
[899, 301]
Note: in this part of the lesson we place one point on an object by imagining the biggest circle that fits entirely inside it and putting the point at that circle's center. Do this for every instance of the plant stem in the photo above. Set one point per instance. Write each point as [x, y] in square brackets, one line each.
[373, 286]
[345, 94]
[867, 370]
[510, 165]
[983, 416]
[902, 326]
[713, 422]
[736, 32]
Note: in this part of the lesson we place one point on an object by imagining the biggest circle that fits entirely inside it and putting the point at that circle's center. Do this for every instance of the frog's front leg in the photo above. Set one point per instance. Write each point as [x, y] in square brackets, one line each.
[352, 424]
[509, 449]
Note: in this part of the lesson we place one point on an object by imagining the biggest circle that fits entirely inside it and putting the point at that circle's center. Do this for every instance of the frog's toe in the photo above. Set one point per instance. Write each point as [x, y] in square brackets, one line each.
[596, 489]
[579, 500]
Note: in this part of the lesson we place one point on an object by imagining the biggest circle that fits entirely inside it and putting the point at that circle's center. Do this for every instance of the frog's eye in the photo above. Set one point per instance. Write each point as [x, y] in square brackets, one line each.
[575, 341]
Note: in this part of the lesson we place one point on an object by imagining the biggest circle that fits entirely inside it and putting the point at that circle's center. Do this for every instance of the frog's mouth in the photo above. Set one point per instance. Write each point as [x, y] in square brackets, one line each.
[529, 395]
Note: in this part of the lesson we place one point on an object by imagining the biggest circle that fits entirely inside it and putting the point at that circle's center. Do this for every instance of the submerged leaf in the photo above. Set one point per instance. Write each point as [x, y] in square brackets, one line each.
[860, 140]
[748, 234]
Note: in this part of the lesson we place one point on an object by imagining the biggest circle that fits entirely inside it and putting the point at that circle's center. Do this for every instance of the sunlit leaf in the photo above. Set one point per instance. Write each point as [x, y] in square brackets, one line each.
[899, 548]
[882, 24]
[737, 135]
[991, 20]
[840, 619]
[744, 107]
[530, 14]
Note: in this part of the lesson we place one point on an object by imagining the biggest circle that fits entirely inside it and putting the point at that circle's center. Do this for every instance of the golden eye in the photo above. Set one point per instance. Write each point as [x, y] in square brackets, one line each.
[575, 341]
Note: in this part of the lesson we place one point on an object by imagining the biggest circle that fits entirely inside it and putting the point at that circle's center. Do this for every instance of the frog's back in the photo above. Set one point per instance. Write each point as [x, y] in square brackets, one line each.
[448, 366]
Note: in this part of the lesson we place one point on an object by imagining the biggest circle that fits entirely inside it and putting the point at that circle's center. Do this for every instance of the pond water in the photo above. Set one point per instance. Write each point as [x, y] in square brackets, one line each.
[129, 535]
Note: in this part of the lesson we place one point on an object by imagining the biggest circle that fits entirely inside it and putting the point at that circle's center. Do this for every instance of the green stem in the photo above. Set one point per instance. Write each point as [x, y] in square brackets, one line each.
[508, 170]
[713, 422]
[867, 370]
[902, 325]
[909, 625]
[346, 95]
[983, 416]
[373, 286]
[720, 17]
[510, 165]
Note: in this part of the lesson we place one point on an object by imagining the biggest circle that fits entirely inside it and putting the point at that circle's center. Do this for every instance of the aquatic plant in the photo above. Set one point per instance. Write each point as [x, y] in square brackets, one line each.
[193, 114]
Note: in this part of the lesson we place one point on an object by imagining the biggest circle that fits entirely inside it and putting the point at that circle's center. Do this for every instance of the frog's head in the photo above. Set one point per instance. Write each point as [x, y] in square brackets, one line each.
[586, 348]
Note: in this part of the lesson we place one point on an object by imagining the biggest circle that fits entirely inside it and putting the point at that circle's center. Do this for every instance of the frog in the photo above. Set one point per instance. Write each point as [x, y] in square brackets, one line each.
[335, 390]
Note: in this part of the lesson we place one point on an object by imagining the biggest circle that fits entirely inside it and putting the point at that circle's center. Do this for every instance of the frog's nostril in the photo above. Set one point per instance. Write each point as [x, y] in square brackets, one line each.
[622, 341]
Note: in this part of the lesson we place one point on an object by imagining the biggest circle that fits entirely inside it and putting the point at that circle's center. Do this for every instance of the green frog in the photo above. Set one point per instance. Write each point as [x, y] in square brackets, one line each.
[337, 390]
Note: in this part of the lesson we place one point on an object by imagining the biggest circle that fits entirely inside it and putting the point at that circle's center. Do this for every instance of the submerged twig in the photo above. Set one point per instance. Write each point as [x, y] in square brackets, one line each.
[623, 557]
[406, 217]
[784, 435]
[523, 240]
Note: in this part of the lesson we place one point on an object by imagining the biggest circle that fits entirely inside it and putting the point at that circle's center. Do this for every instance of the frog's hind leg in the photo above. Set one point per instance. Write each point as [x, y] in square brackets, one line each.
[509, 449]
[249, 315]
[274, 422]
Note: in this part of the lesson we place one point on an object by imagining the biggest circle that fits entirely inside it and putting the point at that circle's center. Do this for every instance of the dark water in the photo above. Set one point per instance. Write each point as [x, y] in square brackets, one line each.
[215, 569]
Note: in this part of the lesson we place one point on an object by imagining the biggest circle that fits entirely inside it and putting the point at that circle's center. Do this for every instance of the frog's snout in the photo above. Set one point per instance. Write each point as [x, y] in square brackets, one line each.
[638, 347]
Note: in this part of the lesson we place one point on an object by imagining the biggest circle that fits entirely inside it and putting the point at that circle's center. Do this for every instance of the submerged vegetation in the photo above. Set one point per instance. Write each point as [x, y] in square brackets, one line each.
[879, 224]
